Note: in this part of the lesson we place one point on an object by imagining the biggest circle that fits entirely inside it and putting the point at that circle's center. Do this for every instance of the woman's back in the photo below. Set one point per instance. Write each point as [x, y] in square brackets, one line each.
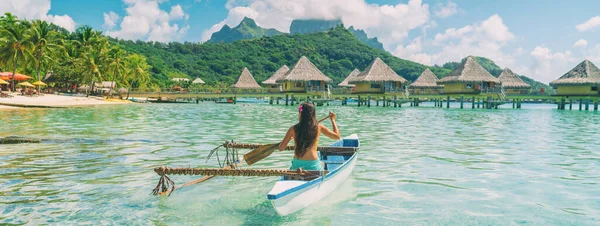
[306, 137]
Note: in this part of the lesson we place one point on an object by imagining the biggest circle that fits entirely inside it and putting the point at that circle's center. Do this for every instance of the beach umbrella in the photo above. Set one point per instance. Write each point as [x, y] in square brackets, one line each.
[26, 84]
[18, 77]
[2, 82]
[39, 83]
[122, 90]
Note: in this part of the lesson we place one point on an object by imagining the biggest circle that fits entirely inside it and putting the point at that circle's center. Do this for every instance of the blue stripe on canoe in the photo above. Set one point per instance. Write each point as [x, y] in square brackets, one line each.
[312, 182]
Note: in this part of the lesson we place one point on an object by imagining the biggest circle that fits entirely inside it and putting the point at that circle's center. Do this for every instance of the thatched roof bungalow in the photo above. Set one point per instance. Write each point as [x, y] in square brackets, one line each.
[304, 77]
[351, 75]
[426, 83]
[245, 81]
[271, 82]
[198, 81]
[378, 77]
[469, 78]
[512, 83]
[582, 80]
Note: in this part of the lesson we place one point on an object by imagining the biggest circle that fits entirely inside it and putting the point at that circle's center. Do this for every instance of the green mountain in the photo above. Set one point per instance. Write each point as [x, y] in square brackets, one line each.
[247, 29]
[362, 36]
[495, 70]
[336, 53]
[312, 26]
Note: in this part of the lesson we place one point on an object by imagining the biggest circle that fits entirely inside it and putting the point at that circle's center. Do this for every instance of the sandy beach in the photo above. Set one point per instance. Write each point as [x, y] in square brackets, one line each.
[54, 101]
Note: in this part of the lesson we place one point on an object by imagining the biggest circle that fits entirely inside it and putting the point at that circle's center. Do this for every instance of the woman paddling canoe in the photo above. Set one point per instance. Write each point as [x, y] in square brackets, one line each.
[306, 138]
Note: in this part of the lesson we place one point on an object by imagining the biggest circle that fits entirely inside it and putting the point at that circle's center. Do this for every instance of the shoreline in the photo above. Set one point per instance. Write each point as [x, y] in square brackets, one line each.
[55, 101]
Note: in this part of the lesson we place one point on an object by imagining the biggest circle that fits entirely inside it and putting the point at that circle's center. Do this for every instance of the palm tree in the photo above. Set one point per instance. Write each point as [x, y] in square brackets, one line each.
[15, 47]
[137, 69]
[46, 43]
[116, 56]
[93, 60]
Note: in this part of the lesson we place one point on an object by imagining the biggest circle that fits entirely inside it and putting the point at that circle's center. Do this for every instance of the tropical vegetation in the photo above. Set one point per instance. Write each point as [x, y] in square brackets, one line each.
[67, 59]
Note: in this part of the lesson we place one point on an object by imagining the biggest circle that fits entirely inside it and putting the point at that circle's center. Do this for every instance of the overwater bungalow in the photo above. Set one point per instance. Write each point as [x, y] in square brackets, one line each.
[512, 83]
[271, 82]
[344, 84]
[304, 77]
[583, 80]
[245, 81]
[426, 84]
[470, 78]
[379, 78]
[351, 75]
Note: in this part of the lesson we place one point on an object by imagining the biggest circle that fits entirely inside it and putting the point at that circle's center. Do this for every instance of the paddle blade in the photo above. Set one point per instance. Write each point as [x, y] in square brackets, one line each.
[260, 153]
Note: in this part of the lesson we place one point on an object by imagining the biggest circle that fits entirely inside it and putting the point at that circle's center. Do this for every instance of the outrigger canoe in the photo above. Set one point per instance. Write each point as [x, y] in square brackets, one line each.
[289, 195]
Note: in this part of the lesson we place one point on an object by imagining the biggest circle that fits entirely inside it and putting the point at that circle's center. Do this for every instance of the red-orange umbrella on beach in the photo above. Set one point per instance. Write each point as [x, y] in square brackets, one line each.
[18, 77]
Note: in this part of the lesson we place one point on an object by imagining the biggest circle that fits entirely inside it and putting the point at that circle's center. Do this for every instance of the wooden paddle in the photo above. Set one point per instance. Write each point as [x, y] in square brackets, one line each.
[264, 151]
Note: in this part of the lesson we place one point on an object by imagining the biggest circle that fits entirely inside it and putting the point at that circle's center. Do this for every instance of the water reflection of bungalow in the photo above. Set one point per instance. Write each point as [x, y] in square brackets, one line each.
[470, 78]
[583, 80]
[271, 82]
[378, 77]
[426, 84]
[304, 77]
[512, 83]
[245, 81]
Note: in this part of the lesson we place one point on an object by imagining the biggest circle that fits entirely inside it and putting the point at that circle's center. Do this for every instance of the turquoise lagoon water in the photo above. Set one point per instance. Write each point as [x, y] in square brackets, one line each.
[424, 166]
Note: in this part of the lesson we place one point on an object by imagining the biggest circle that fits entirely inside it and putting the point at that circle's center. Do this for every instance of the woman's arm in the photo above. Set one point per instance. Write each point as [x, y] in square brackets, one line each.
[286, 140]
[335, 134]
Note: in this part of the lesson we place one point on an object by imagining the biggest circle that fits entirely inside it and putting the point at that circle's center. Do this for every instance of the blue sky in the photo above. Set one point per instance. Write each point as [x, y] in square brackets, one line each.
[541, 39]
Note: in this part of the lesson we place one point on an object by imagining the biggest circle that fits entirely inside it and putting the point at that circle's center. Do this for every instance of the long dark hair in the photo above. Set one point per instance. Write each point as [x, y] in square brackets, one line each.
[307, 129]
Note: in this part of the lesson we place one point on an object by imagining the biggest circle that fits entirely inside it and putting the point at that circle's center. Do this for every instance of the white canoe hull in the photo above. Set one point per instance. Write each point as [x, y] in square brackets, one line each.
[289, 196]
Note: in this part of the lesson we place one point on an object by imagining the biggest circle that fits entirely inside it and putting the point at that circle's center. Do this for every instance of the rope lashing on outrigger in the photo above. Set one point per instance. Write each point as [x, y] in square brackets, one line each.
[165, 182]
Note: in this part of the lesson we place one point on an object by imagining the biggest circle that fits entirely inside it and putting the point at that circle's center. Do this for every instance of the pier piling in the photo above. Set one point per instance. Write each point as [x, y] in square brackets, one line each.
[448, 102]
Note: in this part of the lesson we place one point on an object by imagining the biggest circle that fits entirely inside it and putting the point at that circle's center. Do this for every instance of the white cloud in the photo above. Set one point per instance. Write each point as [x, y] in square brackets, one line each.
[36, 9]
[580, 43]
[110, 20]
[64, 21]
[443, 11]
[145, 19]
[390, 23]
[177, 13]
[548, 66]
[589, 25]
[487, 38]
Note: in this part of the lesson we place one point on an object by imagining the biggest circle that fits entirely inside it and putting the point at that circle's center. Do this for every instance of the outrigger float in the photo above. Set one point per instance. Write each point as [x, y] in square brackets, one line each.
[295, 190]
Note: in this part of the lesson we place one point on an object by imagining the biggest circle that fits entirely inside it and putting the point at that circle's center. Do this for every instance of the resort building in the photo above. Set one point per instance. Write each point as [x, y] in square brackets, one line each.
[426, 84]
[180, 79]
[271, 82]
[583, 80]
[378, 77]
[512, 83]
[304, 77]
[198, 81]
[352, 74]
[245, 81]
[470, 78]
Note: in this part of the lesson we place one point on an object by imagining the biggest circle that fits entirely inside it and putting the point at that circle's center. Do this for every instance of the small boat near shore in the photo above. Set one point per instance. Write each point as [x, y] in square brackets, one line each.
[289, 195]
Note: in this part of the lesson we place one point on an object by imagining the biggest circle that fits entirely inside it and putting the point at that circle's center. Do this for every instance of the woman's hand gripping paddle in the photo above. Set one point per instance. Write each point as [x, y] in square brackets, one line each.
[264, 151]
